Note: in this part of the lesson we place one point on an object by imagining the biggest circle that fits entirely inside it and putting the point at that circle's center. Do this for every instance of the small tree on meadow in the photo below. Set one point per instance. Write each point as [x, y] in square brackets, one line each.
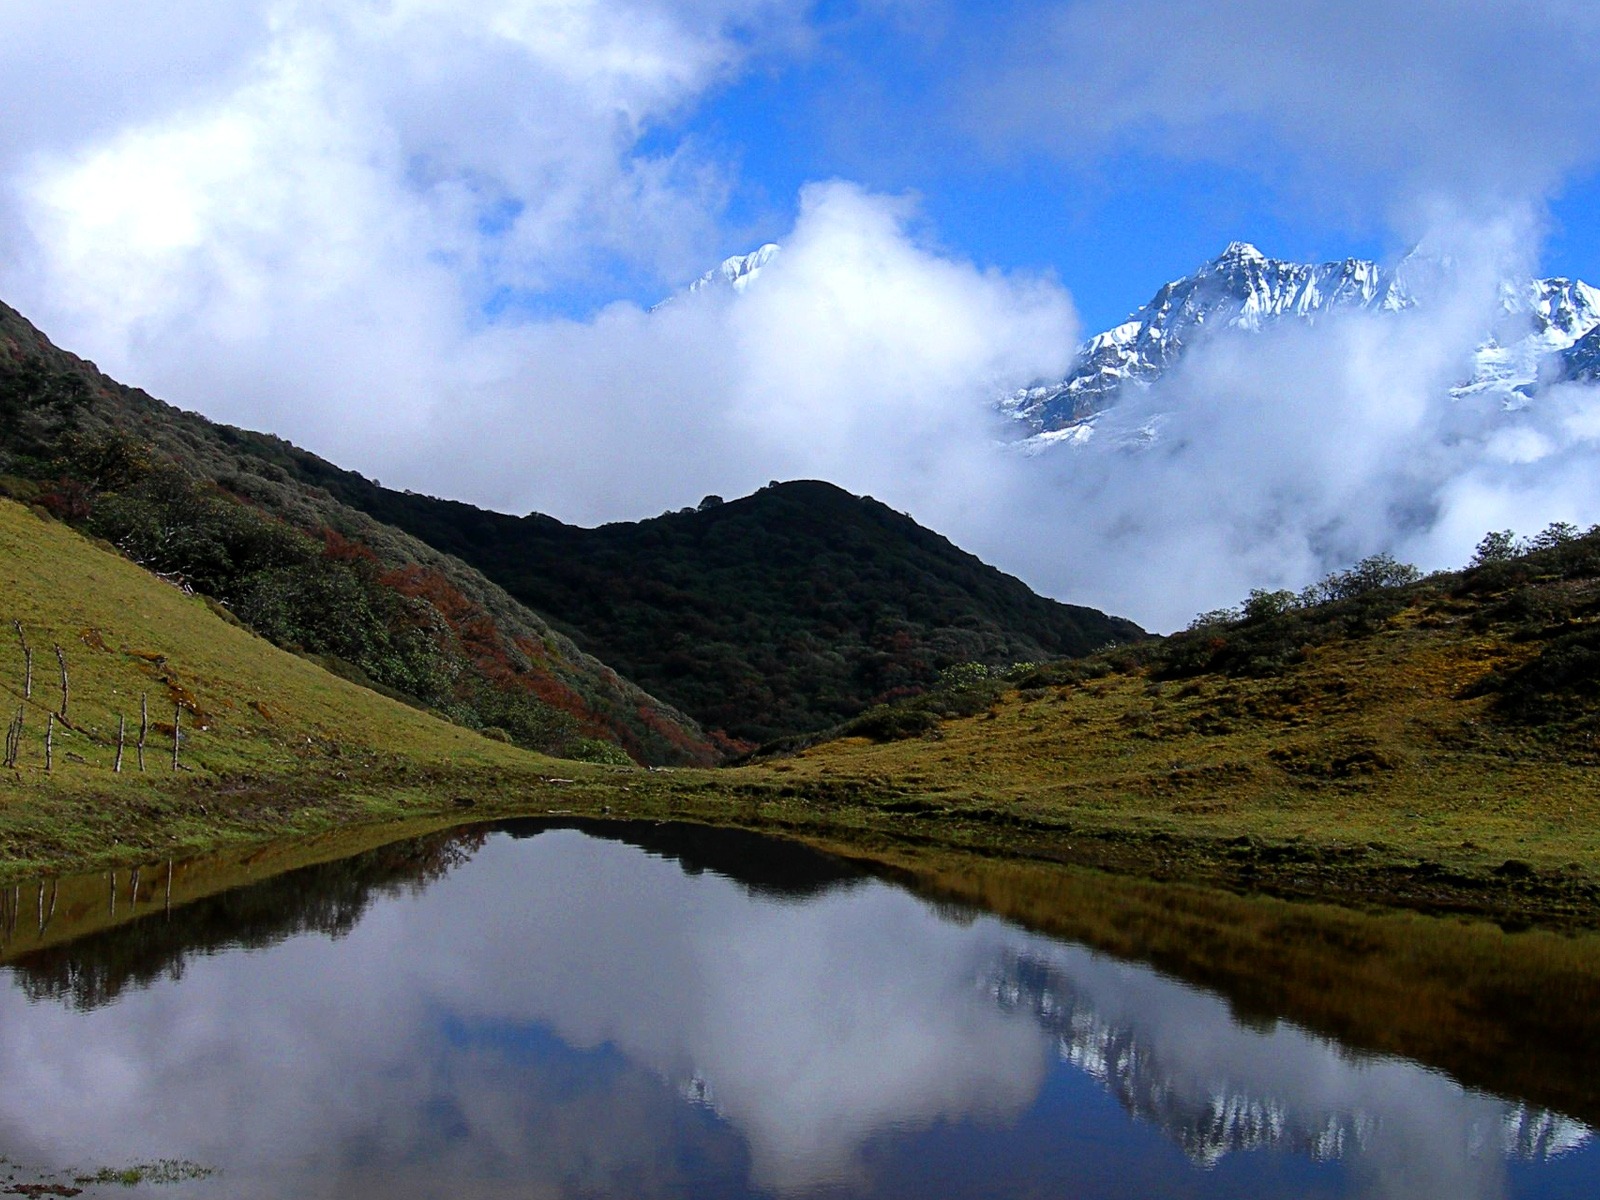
[1557, 533]
[1262, 605]
[1371, 573]
[1497, 546]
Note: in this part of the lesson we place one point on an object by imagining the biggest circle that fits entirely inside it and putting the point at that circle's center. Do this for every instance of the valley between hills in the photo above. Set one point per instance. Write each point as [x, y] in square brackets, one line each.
[307, 653]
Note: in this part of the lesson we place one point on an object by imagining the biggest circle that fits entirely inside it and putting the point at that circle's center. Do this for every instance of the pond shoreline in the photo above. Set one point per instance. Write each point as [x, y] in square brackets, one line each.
[48, 830]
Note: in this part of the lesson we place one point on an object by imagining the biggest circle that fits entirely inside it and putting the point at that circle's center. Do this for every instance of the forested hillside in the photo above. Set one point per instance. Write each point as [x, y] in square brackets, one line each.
[186, 499]
[778, 613]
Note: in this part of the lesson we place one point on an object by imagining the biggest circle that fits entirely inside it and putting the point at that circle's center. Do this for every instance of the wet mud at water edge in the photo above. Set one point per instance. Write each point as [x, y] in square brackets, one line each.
[641, 1009]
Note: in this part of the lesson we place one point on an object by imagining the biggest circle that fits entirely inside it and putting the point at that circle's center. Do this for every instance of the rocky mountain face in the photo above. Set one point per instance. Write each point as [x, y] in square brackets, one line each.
[1580, 362]
[1242, 289]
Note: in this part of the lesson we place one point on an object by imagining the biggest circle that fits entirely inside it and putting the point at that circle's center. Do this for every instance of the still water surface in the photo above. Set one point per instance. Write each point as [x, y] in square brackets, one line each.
[532, 1011]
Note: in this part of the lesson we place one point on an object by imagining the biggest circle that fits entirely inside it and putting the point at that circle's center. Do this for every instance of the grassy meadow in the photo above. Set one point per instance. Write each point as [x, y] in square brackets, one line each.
[1430, 745]
[269, 742]
[1366, 762]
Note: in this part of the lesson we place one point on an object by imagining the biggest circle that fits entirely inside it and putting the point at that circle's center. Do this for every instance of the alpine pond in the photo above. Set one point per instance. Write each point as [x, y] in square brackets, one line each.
[538, 1009]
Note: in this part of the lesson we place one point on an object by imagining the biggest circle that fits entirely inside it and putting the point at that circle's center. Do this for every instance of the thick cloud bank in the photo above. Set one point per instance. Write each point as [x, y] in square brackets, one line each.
[389, 232]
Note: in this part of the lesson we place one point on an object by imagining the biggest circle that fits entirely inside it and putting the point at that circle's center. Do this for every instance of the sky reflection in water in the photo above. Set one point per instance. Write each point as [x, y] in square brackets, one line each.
[565, 1015]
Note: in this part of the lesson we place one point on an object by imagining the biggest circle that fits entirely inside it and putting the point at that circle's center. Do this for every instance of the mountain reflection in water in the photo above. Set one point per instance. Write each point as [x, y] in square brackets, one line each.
[680, 1011]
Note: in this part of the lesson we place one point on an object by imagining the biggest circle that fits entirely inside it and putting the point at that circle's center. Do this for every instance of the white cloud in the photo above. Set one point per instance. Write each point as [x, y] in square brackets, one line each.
[346, 221]
[1482, 101]
[320, 221]
[862, 357]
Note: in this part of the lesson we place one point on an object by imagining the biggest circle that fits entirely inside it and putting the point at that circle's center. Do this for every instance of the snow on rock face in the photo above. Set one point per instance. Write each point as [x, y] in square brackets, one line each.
[737, 272]
[733, 274]
[1540, 321]
[1241, 288]
[1244, 289]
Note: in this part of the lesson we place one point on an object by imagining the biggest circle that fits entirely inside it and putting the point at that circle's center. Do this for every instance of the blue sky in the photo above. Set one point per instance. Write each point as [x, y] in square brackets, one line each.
[1112, 228]
[872, 102]
[421, 238]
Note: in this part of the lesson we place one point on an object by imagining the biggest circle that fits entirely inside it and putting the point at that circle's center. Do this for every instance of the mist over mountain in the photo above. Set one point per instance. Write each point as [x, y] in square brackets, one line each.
[1261, 422]
[1242, 290]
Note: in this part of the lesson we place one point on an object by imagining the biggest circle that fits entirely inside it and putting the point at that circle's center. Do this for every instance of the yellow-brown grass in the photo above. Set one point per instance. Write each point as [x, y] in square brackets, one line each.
[1368, 750]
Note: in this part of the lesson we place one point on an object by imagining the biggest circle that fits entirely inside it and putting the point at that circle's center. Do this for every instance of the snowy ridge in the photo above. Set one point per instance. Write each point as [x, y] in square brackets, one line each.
[738, 272]
[1241, 289]
[1545, 331]
[732, 274]
[1540, 321]
[1244, 289]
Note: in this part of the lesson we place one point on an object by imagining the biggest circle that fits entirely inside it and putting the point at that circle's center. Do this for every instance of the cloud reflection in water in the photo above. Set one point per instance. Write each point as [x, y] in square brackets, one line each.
[533, 1023]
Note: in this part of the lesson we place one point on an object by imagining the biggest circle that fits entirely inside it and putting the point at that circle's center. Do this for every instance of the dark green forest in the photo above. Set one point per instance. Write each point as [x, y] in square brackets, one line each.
[781, 613]
[784, 612]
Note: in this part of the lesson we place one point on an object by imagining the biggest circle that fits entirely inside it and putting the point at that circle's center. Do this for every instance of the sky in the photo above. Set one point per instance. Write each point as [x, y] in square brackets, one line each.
[422, 238]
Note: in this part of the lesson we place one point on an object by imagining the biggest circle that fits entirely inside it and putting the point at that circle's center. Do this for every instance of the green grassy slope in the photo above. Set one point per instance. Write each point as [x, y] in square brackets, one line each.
[134, 464]
[1427, 743]
[268, 740]
[245, 705]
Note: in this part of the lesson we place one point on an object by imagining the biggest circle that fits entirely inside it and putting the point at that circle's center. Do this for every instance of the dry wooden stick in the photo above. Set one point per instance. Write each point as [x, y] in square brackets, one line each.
[49, 737]
[27, 661]
[144, 725]
[61, 658]
[116, 767]
[14, 737]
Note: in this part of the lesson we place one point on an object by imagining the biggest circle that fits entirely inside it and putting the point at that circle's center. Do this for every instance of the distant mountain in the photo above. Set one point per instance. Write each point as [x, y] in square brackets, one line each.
[737, 272]
[784, 612]
[1243, 289]
[733, 274]
[212, 508]
[1532, 341]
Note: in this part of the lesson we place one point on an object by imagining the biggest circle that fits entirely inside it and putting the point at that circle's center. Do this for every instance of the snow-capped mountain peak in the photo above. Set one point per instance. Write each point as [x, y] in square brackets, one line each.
[1244, 289]
[738, 272]
[1240, 252]
[1241, 288]
[732, 274]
